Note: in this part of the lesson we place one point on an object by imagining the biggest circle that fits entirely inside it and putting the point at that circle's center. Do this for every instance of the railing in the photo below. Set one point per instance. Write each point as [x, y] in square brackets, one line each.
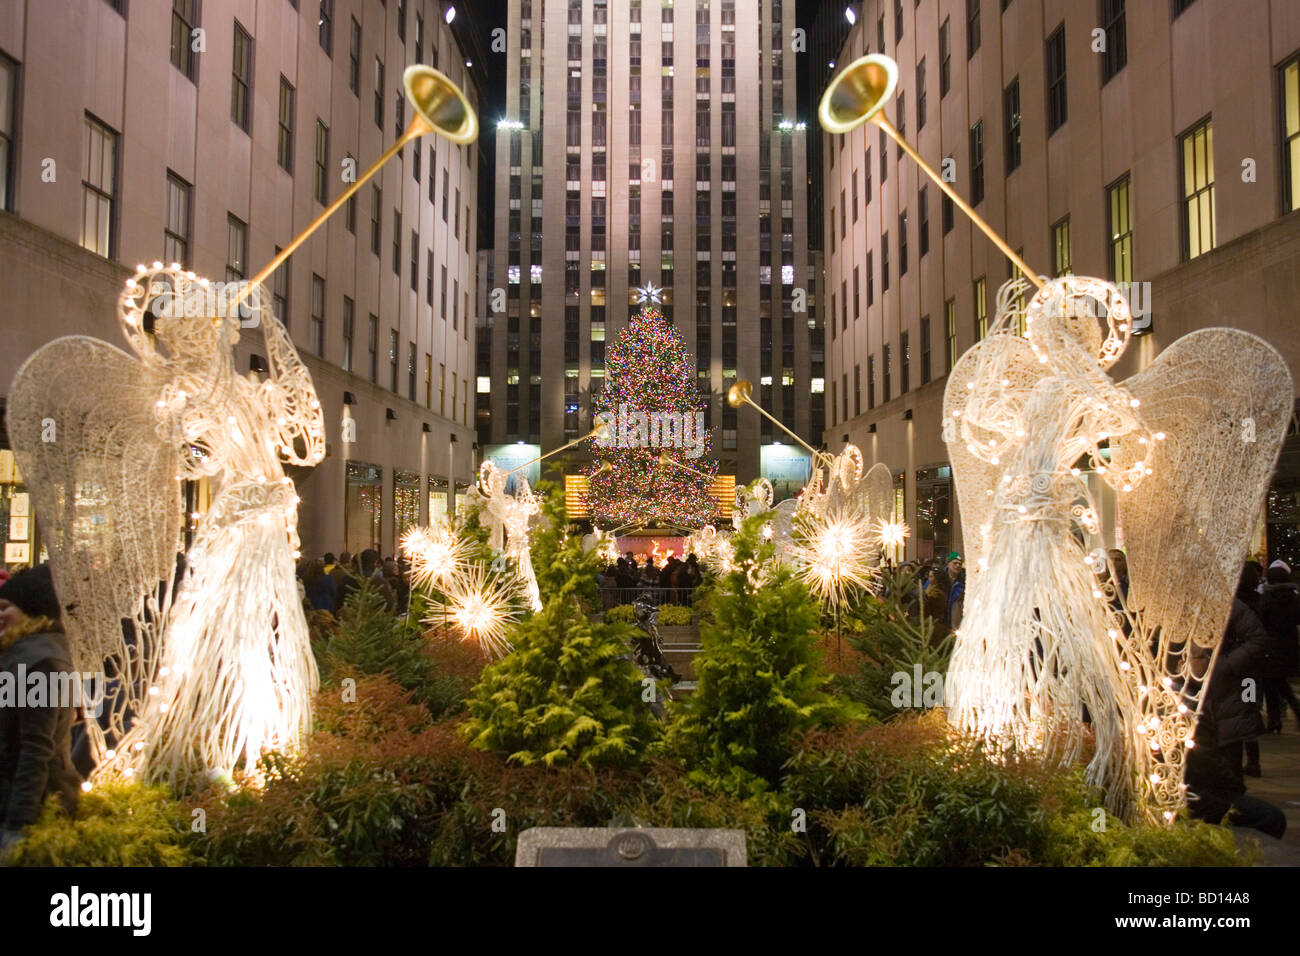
[657, 596]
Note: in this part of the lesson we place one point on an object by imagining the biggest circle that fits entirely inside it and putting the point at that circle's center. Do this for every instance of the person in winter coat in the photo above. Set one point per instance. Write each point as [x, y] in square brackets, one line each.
[319, 585]
[35, 741]
[1215, 786]
[956, 591]
[1279, 610]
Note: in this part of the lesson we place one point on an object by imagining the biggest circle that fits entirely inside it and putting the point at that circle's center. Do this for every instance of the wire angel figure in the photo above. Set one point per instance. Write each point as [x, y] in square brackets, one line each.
[509, 517]
[212, 663]
[1050, 641]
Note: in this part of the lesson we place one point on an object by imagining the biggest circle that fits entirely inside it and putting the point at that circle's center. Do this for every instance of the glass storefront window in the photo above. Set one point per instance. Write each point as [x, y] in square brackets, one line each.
[363, 507]
[933, 512]
[437, 498]
[406, 503]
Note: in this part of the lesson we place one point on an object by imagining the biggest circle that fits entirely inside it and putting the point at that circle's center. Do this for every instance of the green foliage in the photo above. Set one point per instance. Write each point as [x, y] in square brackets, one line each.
[759, 683]
[892, 634]
[115, 825]
[908, 793]
[370, 640]
[557, 556]
[670, 615]
[675, 615]
[567, 694]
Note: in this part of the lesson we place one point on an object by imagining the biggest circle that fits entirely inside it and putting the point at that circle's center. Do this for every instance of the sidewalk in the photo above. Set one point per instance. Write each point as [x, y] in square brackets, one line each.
[1279, 758]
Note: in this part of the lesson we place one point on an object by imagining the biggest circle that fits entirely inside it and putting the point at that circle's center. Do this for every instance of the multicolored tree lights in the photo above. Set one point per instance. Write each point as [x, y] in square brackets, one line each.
[655, 412]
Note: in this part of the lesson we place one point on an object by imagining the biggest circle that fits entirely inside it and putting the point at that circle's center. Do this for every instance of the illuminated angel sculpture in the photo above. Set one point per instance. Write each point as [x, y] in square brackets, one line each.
[1049, 639]
[212, 663]
[508, 517]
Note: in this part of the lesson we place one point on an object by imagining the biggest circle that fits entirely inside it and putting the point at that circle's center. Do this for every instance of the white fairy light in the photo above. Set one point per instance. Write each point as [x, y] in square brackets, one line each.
[479, 607]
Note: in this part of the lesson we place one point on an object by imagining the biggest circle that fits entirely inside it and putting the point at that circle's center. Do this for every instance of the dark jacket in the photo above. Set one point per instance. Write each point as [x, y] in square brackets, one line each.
[1243, 655]
[35, 742]
[344, 584]
[1279, 610]
[321, 597]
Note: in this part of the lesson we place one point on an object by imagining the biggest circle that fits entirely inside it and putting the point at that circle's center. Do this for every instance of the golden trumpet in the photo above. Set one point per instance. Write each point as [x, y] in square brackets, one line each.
[857, 95]
[665, 460]
[440, 107]
[742, 394]
[599, 432]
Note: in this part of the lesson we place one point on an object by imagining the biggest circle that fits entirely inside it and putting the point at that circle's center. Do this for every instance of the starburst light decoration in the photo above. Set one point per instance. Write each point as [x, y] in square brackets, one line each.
[436, 552]
[214, 664]
[1187, 446]
[479, 607]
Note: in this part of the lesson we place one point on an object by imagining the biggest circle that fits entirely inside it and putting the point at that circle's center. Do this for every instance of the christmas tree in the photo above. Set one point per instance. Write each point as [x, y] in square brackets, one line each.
[651, 464]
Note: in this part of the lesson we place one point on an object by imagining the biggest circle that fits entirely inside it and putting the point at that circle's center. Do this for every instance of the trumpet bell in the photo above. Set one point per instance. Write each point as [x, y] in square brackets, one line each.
[739, 393]
[858, 93]
[440, 104]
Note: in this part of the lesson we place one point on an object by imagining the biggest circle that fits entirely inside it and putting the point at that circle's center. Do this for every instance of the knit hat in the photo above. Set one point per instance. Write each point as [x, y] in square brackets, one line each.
[32, 592]
[1279, 563]
[954, 556]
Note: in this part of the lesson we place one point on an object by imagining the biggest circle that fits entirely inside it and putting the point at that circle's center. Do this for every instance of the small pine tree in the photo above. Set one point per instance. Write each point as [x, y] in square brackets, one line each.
[759, 680]
[371, 640]
[567, 694]
[896, 637]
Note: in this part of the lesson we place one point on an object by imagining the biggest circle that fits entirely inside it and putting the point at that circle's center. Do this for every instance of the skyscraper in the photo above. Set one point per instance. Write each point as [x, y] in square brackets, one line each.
[674, 162]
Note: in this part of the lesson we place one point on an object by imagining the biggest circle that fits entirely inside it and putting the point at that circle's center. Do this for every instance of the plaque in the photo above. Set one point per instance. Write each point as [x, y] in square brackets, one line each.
[630, 846]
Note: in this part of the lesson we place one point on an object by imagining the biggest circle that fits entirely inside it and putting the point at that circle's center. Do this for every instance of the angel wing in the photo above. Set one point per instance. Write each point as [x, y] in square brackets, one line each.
[878, 489]
[1221, 398]
[102, 468]
[1010, 358]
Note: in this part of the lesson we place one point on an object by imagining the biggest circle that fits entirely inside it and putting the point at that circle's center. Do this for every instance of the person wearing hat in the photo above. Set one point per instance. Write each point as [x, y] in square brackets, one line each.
[35, 742]
[1279, 610]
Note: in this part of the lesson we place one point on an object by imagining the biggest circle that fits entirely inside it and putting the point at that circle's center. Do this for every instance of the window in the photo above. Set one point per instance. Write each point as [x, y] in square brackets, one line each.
[99, 189]
[354, 59]
[284, 144]
[844, 305]
[455, 304]
[950, 332]
[1289, 77]
[401, 19]
[1011, 124]
[397, 242]
[242, 79]
[902, 243]
[374, 348]
[884, 262]
[349, 317]
[1056, 99]
[442, 389]
[415, 261]
[280, 283]
[884, 157]
[972, 27]
[442, 296]
[904, 363]
[8, 126]
[923, 219]
[871, 280]
[855, 195]
[844, 219]
[871, 385]
[857, 294]
[1119, 225]
[176, 233]
[444, 195]
[945, 59]
[1181, 5]
[857, 390]
[392, 360]
[977, 163]
[920, 95]
[325, 21]
[981, 309]
[866, 175]
[320, 179]
[318, 315]
[1061, 262]
[457, 216]
[236, 248]
[886, 367]
[1198, 190]
[1115, 56]
[376, 217]
[925, 349]
[428, 278]
[185, 18]
[428, 357]
[410, 371]
[946, 207]
[433, 175]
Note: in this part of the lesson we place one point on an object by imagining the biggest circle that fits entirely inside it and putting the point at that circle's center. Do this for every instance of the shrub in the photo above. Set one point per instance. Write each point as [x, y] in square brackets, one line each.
[369, 640]
[567, 694]
[674, 615]
[759, 685]
[115, 825]
[620, 614]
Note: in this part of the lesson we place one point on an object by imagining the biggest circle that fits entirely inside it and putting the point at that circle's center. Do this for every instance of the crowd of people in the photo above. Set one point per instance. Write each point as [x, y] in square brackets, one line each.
[327, 581]
[675, 582]
[940, 590]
